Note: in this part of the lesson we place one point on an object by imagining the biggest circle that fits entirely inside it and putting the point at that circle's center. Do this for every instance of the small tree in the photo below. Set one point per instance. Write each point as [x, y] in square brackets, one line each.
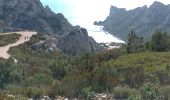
[135, 43]
[59, 68]
[88, 93]
[34, 92]
[159, 41]
[150, 92]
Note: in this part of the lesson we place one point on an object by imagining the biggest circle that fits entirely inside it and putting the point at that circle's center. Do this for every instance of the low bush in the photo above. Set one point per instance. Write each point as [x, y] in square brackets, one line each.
[8, 39]
[122, 92]
[34, 92]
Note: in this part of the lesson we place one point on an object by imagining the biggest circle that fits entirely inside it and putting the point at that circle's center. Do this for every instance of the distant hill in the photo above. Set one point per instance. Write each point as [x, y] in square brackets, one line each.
[144, 20]
[32, 15]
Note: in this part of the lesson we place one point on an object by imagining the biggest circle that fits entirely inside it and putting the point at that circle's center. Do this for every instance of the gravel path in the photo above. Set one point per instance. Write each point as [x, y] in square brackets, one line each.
[25, 36]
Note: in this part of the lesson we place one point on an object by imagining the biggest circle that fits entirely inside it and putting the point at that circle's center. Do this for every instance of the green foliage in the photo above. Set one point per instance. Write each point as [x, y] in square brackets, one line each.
[35, 65]
[74, 82]
[33, 92]
[13, 89]
[108, 55]
[10, 72]
[42, 79]
[35, 38]
[159, 41]
[134, 96]
[41, 73]
[150, 92]
[54, 89]
[5, 71]
[84, 63]
[105, 78]
[135, 43]
[150, 61]
[38, 79]
[165, 91]
[164, 76]
[132, 76]
[8, 39]
[59, 68]
[88, 93]
[121, 92]
[3, 96]
[148, 45]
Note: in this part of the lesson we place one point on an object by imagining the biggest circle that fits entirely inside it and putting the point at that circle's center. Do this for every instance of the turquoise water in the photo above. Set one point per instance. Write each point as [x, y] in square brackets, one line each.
[84, 16]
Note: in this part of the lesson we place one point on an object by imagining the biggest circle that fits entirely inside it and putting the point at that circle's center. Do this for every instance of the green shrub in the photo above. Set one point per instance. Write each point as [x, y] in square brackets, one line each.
[59, 68]
[134, 96]
[165, 91]
[121, 92]
[150, 92]
[10, 73]
[159, 41]
[135, 43]
[54, 89]
[105, 78]
[14, 89]
[34, 92]
[88, 93]
[42, 79]
[8, 39]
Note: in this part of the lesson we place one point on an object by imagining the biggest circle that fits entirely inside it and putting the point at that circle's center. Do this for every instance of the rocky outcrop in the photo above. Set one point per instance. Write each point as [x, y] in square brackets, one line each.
[77, 42]
[103, 96]
[44, 45]
[32, 15]
[5, 28]
[144, 20]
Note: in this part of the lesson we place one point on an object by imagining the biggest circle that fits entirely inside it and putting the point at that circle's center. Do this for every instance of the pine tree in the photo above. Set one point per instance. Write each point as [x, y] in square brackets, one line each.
[159, 41]
[135, 43]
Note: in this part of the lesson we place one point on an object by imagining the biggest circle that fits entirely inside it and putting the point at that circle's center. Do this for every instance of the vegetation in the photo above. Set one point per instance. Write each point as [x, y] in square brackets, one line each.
[159, 41]
[135, 71]
[8, 39]
[135, 43]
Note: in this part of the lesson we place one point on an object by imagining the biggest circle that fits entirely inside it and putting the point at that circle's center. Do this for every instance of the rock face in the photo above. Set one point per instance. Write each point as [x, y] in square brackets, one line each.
[77, 40]
[144, 20]
[5, 28]
[31, 15]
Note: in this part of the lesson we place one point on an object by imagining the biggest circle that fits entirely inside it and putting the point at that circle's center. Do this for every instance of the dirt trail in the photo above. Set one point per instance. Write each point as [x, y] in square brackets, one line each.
[25, 36]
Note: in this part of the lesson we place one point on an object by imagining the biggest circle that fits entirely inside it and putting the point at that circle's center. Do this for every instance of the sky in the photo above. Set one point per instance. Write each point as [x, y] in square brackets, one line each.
[85, 12]
[76, 10]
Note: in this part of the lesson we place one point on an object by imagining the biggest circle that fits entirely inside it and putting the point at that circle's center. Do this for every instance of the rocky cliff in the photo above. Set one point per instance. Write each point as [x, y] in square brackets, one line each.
[32, 15]
[75, 41]
[144, 20]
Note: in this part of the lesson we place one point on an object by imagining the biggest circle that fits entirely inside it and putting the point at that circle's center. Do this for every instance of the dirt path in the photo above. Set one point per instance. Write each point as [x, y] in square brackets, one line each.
[25, 36]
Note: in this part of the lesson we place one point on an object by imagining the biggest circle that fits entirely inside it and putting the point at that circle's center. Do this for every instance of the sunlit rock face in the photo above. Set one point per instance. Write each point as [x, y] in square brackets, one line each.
[31, 15]
[144, 20]
[77, 42]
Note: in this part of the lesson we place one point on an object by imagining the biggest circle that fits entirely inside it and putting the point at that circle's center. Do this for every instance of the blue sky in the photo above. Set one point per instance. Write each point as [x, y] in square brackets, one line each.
[85, 12]
[76, 10]
[89, 10]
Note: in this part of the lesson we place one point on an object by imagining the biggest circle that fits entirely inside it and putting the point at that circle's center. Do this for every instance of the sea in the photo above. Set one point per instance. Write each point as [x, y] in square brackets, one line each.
[95, 31]
[84, 16]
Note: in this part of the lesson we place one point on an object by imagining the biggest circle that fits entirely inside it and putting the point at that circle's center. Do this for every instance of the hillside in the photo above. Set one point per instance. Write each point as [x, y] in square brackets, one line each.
[17, 15]
[143, 20]
[114, 73]
[61, 62]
